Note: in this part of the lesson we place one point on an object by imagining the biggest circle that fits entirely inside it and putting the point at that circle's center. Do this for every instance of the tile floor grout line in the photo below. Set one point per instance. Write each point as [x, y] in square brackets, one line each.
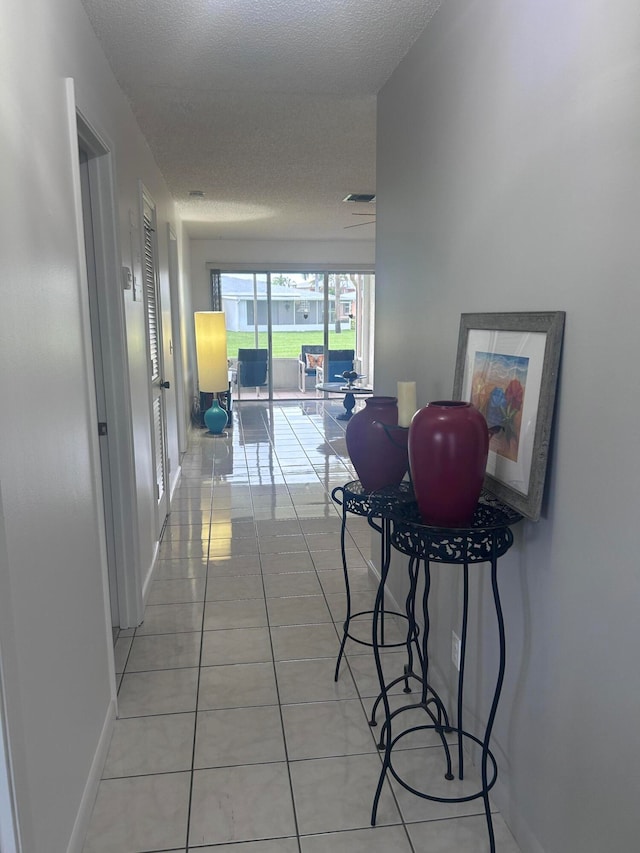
[278, 696]
[358, 690]
[338, 636]
[197, 697]
[361, 698]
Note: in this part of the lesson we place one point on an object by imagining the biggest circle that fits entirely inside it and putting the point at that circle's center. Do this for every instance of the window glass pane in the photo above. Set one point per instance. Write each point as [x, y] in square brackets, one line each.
[298, 316]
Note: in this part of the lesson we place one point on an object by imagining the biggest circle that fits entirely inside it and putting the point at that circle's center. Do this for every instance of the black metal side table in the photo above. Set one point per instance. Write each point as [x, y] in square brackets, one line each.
[353, 498]
[487, 539]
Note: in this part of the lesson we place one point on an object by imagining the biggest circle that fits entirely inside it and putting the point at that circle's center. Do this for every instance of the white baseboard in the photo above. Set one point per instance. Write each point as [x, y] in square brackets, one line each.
[520, 829]
[146, 581]
[148, 577]
[76, 842]
[175, 482]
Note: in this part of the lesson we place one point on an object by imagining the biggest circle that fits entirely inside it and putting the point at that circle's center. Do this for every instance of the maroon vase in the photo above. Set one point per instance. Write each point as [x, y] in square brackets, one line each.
[379, 455]
[448, 448]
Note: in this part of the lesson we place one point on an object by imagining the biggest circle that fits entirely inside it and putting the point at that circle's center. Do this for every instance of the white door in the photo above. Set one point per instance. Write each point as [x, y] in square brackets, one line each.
[99, 377]
[111, 371]
[153, 316]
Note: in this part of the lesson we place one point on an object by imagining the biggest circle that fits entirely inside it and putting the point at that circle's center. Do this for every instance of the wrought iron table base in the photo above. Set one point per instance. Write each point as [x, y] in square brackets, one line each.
[353, 498]
[486, 540]
[429, 695]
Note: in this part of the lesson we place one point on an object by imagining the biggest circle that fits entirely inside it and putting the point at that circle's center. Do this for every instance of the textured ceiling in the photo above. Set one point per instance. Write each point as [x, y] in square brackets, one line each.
[267, 106]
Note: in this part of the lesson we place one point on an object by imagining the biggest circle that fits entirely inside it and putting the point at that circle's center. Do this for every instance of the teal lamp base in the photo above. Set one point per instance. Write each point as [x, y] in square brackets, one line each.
[215, 418]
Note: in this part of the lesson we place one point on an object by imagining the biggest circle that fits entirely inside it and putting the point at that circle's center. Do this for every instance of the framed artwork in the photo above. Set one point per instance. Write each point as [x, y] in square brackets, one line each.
[507, 366]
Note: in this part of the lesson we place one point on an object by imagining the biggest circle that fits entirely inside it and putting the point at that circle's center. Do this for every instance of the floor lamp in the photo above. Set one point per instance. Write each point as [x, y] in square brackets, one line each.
[213, 372]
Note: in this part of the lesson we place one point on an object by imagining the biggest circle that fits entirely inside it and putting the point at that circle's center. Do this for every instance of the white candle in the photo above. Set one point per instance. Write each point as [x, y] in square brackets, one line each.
[407, 405]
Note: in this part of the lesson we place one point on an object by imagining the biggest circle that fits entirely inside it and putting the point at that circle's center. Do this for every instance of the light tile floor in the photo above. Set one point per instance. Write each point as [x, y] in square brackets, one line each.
[232, 734]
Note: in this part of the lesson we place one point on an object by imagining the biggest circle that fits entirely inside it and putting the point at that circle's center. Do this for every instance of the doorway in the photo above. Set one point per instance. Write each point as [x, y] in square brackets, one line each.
[111, 376]
[294, 320]
[99, 381]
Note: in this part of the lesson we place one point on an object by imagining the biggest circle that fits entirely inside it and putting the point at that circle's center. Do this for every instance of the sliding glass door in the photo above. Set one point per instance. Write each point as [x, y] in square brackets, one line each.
[244, 298]
[283, 325]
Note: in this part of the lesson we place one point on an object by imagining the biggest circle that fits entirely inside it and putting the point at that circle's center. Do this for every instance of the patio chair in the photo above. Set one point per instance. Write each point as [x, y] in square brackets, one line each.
[338, 360]
[252, 369]
[309, 360]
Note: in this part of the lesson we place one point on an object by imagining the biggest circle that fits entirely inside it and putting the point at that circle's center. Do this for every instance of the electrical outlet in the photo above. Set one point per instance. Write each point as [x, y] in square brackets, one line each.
[455, 650]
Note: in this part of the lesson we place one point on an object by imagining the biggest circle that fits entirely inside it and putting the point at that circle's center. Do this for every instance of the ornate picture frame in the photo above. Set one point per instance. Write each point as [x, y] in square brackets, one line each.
[507, 366]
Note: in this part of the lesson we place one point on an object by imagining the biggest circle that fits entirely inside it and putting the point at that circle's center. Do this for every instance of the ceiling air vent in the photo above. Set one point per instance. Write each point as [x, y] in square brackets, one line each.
[366, 197]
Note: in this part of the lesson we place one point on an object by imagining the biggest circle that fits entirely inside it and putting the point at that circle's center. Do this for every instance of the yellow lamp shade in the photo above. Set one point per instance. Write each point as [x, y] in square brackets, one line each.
[211, 350]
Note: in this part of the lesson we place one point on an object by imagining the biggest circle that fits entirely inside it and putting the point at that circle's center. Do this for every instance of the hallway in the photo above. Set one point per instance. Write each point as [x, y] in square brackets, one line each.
[233, 735]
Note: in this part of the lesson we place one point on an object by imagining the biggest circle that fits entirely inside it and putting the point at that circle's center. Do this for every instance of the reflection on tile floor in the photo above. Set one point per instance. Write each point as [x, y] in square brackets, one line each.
[233, 735]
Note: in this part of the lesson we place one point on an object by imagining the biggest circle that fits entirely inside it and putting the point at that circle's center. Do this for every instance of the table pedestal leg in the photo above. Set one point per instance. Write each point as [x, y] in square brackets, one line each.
[349, 403]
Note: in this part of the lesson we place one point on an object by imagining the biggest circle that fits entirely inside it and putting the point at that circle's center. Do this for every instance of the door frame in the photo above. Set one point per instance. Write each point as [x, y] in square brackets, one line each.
[176, 340]
[364, 359]
[110, 282]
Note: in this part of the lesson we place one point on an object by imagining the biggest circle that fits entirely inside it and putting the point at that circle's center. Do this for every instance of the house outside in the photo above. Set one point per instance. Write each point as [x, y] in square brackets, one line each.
[292, 308]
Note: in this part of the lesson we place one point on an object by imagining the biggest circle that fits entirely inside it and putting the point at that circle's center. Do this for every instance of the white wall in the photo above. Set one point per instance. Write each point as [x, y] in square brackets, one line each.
[509, 180]
[55, 639]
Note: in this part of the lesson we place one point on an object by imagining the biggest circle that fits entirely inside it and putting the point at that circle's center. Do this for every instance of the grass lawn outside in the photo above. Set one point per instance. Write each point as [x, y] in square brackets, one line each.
[288, 344]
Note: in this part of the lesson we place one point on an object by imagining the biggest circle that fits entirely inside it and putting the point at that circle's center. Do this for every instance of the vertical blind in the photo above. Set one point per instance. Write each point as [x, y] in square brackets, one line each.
[150, 290]
[153, 326]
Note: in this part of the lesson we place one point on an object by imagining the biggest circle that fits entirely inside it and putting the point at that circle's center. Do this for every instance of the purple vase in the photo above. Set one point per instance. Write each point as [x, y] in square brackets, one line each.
[378, 455]
[448, 448]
